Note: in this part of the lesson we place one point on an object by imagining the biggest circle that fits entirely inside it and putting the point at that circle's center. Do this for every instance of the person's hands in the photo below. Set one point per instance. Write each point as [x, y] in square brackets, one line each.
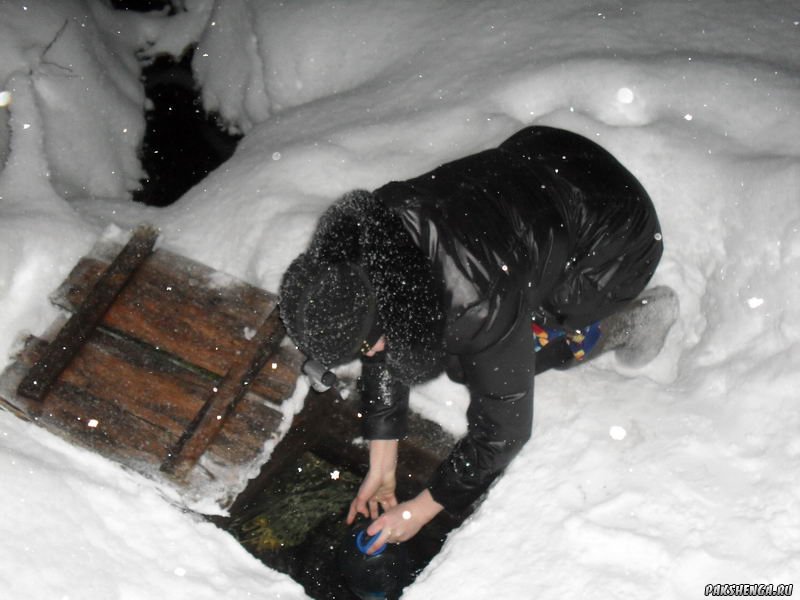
[378, 488]
[403, 521]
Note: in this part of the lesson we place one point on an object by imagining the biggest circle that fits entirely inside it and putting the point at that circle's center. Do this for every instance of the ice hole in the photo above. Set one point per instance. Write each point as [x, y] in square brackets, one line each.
[292, 516]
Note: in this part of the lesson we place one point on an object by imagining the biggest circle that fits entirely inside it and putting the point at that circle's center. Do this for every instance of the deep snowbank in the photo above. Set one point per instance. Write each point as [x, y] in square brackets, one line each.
[651, 482]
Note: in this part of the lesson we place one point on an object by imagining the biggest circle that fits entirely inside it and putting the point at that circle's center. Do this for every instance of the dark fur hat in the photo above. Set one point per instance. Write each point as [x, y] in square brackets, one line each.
[329, 309]
[359, 254]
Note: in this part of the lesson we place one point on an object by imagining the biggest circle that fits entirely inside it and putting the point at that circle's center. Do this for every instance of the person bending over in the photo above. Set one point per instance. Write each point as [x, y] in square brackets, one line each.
[450, 272]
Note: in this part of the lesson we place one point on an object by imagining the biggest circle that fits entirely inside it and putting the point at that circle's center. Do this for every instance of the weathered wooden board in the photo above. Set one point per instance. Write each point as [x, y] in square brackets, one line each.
[118, 399]
[187, 309]
[97, 302]
[164, 361]
[223, 398]
[178, 306]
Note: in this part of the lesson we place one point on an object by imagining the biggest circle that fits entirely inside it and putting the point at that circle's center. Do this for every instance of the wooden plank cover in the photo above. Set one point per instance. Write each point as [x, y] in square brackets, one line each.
[223, 398]
[97, 301]
[132, 404]
[180, 306]
[179, 362]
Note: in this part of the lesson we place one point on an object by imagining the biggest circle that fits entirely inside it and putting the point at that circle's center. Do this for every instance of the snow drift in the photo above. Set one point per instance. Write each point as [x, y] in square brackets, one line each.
[650, 482]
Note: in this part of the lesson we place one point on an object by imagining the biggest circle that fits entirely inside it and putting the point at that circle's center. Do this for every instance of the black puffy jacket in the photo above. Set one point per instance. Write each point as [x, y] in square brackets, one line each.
[548, 226]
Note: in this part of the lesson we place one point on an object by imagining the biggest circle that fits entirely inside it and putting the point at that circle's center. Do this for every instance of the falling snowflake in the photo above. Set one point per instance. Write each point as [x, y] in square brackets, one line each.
[625, 95]
[617, 433]
[755, 302]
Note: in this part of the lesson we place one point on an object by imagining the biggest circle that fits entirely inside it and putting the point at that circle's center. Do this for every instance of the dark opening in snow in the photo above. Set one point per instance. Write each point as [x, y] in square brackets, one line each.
[291, 517]
[182, 143]
[144, 5]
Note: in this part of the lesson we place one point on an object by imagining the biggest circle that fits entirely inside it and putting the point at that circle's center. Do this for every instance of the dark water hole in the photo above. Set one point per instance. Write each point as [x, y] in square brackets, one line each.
[291, 517]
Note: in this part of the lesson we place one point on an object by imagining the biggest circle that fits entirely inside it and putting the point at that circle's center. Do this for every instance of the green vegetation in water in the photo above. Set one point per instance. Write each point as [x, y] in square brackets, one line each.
[296, 502]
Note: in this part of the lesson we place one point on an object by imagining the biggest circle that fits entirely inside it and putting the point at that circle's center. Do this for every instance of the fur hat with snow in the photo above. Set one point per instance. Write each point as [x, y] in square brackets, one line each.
[361, 277]
[329, 309]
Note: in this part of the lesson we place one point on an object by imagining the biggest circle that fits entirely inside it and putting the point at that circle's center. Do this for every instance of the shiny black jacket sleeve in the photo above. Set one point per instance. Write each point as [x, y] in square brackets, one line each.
[384, 401]
[500, 418]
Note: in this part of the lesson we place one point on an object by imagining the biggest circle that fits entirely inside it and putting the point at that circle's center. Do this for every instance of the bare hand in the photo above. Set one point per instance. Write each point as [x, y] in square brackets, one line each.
[403, 521]
[377, 491]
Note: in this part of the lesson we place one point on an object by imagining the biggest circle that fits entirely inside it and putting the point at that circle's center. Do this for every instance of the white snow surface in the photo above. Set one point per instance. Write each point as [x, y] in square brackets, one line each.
[638, 483]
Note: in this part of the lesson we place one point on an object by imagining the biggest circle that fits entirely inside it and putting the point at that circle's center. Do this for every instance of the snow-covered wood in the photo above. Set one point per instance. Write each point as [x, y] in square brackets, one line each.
[162, 361]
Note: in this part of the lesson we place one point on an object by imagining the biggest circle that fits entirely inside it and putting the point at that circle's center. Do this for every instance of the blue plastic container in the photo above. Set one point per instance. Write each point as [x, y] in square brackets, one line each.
[379, 576]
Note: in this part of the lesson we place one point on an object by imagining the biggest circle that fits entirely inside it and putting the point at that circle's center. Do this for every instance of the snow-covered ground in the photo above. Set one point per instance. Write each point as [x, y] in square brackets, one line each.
[645, 483]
